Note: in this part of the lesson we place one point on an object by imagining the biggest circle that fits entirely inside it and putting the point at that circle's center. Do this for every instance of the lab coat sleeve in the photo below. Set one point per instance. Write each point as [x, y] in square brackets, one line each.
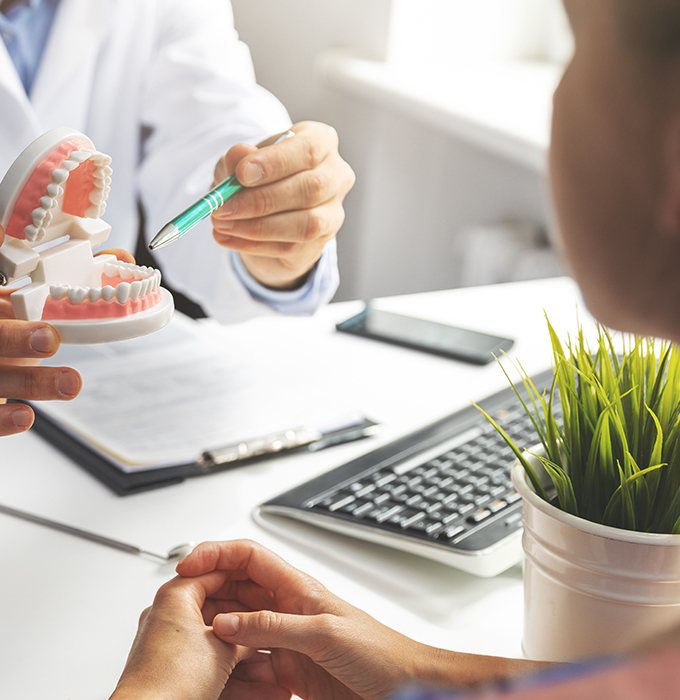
[200, 98]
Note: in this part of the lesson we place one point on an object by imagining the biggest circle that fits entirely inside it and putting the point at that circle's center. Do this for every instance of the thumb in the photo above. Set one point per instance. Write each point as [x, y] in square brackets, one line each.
[226, 165]
[307, 634]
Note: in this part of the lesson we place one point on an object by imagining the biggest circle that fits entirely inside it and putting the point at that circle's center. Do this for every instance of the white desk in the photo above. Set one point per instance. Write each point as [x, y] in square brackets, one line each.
[69, 608]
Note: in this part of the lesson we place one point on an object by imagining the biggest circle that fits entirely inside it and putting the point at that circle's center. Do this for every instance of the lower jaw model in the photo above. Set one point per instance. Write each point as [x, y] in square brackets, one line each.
[51, 203]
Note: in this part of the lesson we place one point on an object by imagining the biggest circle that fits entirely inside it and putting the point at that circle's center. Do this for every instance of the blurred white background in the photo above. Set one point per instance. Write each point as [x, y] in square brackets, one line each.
[443, 109]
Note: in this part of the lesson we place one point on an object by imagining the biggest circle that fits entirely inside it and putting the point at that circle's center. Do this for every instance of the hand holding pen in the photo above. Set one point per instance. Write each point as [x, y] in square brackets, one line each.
[290, 204]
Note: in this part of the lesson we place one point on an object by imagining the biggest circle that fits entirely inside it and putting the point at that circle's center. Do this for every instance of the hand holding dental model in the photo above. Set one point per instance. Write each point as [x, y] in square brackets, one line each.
[51, 201]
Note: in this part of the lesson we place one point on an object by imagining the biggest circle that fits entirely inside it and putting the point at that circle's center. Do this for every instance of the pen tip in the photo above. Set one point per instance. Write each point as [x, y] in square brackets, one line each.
[166, 235]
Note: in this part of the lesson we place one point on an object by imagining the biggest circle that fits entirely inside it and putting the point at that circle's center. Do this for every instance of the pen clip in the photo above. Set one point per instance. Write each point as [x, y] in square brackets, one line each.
[273, 443]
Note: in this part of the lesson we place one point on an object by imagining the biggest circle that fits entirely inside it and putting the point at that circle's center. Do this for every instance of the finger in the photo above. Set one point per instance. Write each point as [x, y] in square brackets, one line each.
[301, 191]
[25, 339]
[264, 249]
[211, 608]
[256, 669]
[6, 311]
[244, 690]
[122, 255]
[300, 226]
[312, 144]
[15, 418]
[39, 383]
[263, 629]
[227, 164]
[196, 589]
[244, 591]
[262, 566]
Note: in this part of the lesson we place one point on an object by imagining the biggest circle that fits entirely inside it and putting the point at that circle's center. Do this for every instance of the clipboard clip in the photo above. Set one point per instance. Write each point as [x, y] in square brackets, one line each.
[302, 437]
[271, 444]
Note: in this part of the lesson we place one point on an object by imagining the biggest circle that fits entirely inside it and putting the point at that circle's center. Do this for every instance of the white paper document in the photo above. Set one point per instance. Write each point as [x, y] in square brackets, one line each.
[162, 400]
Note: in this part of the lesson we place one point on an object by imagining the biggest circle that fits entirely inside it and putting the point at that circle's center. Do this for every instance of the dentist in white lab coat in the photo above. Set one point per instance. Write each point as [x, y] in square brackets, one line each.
[166, 88]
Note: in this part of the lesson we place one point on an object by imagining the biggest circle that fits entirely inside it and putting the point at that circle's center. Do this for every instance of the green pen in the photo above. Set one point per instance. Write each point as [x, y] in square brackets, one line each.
[184, 222]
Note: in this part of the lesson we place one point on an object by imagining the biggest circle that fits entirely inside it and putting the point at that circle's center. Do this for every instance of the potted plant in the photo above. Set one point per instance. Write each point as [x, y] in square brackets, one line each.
[601, 498]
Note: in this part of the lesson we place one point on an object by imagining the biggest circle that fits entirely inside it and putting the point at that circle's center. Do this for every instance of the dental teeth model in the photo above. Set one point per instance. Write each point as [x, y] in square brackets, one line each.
[51, 203]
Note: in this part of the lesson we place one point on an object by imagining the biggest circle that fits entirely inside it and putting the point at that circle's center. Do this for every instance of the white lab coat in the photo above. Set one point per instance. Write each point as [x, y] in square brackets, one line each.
[165, 88]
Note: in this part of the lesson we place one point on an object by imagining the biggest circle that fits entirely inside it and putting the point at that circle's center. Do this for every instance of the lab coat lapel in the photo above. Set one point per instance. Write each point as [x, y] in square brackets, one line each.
[19, 123]
[63, 86]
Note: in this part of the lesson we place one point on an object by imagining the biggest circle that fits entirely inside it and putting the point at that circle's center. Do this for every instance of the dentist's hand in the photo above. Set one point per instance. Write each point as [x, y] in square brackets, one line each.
[292, 205]
[22, 345]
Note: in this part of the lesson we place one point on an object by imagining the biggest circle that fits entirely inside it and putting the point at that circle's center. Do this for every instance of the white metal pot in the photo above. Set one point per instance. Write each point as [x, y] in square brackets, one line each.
[590, 589]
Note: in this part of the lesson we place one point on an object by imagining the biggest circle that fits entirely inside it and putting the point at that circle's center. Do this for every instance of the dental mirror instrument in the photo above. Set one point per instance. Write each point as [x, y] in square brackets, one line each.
[178, 552]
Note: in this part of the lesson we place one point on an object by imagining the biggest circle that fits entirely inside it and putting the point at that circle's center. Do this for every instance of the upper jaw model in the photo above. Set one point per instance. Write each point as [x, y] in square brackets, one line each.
[51, 201]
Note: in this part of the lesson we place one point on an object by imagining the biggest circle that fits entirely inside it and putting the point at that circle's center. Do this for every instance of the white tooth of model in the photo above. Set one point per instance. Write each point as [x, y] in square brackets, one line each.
[31, 233]
[123, 292]
[80, 156]
[59, 175]
[38, 216]
[77, 295]
[58, 291]
[135, 289]
[108, 292]
[94, 294]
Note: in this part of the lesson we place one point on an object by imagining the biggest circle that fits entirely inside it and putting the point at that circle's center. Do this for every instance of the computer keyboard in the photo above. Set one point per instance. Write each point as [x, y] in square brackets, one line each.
[443, 492]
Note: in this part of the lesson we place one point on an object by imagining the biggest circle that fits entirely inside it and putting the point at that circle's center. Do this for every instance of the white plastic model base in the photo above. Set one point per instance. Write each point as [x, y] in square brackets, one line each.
[106, 330]
[51, 203]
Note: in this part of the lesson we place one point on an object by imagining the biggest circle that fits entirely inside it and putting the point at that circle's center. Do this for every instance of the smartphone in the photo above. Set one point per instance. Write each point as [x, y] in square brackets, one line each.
[428, 336]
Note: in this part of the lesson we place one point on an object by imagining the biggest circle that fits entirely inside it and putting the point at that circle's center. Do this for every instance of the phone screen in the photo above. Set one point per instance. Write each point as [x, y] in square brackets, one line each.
[420, 334]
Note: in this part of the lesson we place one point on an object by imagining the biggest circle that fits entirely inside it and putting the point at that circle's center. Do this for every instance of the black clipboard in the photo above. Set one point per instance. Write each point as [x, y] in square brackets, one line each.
[127, 484]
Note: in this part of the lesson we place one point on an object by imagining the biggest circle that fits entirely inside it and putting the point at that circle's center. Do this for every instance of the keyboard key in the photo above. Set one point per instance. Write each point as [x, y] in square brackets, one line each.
[363, 509]
[453, 533]
[369, 488]
[381, 498]
[406, 524]
[387, 514]
[416, 501]
[465, 508]
[513, 497]
[496, 491]
[479, 516]
[337, 505]
[433, 528]
[497, 505]
[482, 500]
[386, 479]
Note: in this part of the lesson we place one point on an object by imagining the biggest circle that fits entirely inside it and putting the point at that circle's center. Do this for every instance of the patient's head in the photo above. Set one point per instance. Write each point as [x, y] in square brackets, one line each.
[615, 161]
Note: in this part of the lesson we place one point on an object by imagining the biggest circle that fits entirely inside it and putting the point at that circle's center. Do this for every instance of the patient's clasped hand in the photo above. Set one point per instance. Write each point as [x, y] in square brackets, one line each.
[51, 203]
